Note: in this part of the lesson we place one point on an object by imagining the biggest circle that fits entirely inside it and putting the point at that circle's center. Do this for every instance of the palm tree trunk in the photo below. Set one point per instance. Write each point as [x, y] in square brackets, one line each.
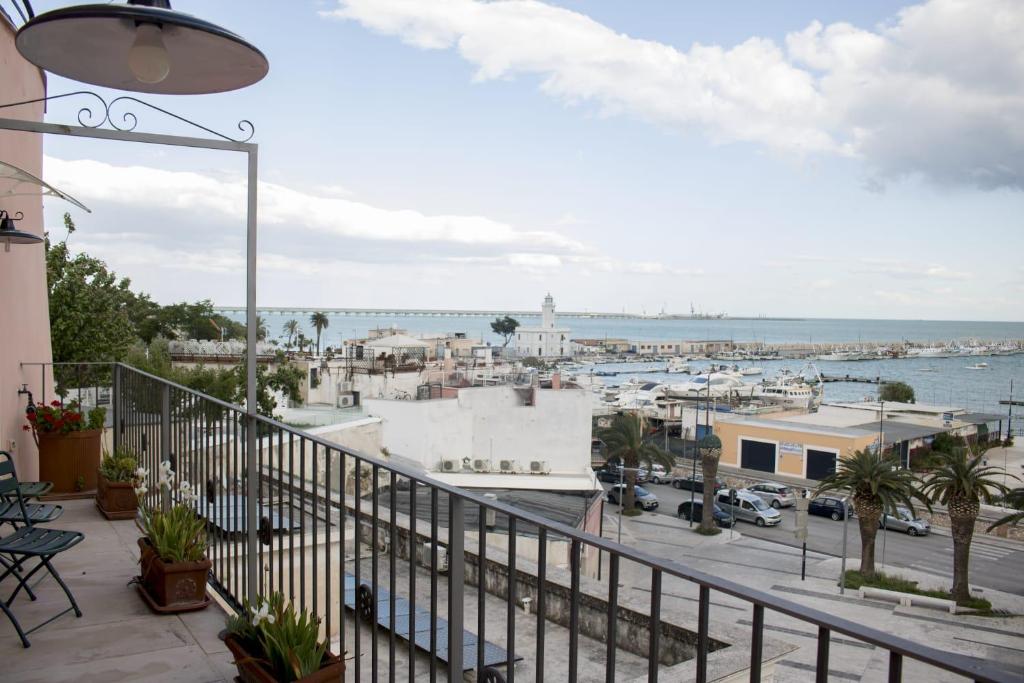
[629, 495]
[963, 533]
[869, 513]
[709, 466]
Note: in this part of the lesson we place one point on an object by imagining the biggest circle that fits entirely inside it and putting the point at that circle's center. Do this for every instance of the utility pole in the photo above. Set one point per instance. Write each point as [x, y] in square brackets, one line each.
[842, 571]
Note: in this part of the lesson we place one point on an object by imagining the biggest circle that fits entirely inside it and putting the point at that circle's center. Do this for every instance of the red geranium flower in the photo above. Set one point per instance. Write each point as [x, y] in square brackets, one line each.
[26, 428]
[55, 403]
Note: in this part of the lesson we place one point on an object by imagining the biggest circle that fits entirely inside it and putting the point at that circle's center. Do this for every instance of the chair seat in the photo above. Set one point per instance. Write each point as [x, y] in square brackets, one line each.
[34, 540]
[34, 489]
[38, 513]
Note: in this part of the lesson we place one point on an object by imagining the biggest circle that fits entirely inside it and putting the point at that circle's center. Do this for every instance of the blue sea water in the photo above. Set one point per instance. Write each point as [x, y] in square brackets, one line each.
[935, 380]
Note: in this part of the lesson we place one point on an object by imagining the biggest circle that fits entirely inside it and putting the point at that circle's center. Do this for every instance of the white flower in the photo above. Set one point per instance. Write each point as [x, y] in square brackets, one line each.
[141, 490]
[141, 473]
[262, 614]
[185, 491]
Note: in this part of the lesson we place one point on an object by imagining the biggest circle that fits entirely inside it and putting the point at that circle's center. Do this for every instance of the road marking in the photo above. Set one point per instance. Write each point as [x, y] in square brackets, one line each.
[832, 673]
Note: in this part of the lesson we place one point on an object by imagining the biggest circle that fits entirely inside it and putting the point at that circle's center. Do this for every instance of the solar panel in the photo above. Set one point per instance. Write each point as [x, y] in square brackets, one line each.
[493, 654]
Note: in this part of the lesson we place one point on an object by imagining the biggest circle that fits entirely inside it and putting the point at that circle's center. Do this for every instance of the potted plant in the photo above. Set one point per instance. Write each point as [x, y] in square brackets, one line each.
[173, 559]
[69, 445]
[273, 642]
[115, 484]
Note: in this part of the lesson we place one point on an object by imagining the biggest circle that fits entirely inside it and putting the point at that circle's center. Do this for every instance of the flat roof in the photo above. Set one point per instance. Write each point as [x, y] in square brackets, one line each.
[559, 481]
[790, 426]
[980, 418]
[893, 430]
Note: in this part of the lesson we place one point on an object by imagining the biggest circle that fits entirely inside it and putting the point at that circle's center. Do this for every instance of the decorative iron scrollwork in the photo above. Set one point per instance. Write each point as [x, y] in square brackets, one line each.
[128, 120]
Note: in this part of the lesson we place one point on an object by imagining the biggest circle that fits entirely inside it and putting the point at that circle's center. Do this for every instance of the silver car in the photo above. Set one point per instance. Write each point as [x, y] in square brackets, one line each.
[904, 520]
[776, 495]
[644, 498]
[748, 508]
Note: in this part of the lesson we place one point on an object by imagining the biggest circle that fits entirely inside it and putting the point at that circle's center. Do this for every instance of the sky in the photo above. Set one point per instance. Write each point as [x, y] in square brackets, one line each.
[808, 159]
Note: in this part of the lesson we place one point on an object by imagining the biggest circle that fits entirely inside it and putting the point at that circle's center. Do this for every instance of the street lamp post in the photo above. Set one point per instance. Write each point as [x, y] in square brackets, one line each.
[842, 571]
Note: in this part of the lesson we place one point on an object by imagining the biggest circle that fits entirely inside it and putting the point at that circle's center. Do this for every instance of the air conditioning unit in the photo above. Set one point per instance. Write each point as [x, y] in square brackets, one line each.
[423, 556]
[509, 466]
[481, 465]
[346, 401]
[539, 467]
[450, 465]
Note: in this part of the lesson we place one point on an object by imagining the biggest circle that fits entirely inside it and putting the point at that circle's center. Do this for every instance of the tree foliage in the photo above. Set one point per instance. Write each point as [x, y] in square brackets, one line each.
[624, 442]
[505, 328]
[898, 392]
[89, 305]
[320, 322]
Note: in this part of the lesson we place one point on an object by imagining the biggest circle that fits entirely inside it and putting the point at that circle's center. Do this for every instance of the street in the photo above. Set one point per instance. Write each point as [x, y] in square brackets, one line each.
[993, 564]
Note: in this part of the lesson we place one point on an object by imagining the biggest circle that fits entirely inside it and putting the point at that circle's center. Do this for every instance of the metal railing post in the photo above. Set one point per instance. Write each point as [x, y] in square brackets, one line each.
[165, 439]
[457, 584]
[115, 401]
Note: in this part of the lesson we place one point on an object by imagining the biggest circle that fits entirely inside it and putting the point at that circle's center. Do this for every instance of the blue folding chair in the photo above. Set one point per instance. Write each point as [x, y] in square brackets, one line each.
[27, 544]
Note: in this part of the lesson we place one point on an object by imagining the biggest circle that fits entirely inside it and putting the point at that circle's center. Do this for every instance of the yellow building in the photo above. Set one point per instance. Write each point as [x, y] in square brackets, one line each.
[781, 447]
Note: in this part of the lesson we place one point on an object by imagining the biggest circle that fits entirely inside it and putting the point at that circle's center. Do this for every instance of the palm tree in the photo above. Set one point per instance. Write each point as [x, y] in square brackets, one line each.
[962, 483]
[878, 485]
[291, 328]
[319, 322]
[1014, 499]
[625, 442]
[261, 328]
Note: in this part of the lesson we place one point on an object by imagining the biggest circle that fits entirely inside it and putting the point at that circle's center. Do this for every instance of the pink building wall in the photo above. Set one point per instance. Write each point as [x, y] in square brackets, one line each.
[24, 311]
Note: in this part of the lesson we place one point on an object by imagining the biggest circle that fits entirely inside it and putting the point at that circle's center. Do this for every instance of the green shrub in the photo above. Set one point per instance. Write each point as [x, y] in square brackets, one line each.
[120, 466]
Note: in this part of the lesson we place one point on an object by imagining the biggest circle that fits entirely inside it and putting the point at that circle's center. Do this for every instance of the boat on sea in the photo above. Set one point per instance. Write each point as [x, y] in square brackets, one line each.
[711, 385]
[678, 365]
[792, 390]
[977, 366]
[747, 372]
[928, 352]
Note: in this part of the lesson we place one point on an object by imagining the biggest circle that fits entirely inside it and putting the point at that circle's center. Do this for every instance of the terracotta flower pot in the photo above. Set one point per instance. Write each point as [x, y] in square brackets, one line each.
[70, 461]
[252, 669]
[116, 499]
[172, 586]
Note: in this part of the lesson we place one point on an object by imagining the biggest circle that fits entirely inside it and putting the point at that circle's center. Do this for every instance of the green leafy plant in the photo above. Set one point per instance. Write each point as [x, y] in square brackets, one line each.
[119, 466]
[58, 418]
[177, 535]
[285, 640]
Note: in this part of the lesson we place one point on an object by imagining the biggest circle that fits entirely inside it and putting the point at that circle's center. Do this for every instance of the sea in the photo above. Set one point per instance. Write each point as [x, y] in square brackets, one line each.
[945, 381]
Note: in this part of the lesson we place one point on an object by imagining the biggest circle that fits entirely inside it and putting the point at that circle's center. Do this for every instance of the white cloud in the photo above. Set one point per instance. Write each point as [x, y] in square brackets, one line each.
[280, 205]
[935, 92]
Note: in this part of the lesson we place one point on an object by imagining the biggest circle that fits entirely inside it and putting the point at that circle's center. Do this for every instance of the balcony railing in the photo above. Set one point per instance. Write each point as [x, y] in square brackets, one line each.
[278, 499]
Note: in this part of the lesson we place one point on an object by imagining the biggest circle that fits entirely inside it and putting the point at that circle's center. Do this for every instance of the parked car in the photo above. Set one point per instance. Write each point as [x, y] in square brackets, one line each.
[606, 474]
[828, 506]
[657, 475]
[644, 498]
[904, 520]
[688, 483]
[722, 518]
[748, 507]
[616, 471]
[776, 495]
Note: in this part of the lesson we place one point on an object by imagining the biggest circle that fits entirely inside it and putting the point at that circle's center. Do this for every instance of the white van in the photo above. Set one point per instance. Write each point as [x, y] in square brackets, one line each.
[748, 507]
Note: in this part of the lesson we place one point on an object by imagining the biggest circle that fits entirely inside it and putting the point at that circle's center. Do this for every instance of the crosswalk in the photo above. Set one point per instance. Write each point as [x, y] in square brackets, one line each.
[990, 552]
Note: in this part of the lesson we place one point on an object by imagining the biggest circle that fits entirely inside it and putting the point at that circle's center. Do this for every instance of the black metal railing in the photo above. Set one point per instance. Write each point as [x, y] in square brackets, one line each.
[293, 538]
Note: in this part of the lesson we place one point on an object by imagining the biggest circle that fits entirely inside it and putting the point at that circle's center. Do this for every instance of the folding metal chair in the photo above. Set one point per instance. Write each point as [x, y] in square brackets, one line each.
[27, 544]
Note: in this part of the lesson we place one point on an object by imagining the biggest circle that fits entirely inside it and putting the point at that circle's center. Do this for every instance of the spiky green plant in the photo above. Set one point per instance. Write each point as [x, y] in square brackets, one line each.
[177, 534]
[285, 640]
[878, 485]
[119, 466]
[1014, 499]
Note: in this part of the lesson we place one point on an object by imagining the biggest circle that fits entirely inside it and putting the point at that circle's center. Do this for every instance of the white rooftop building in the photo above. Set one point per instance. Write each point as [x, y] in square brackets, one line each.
[546, 341]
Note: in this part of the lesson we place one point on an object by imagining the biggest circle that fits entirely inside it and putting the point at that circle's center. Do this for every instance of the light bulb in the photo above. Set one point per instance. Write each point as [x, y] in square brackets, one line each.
[148, 57]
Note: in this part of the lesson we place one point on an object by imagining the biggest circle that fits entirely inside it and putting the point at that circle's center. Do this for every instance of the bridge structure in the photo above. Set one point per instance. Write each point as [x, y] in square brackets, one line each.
[418, 312]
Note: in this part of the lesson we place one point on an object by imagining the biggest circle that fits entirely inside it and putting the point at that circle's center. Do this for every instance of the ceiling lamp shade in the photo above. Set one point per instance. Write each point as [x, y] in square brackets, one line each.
[11, 235]
[142, 46]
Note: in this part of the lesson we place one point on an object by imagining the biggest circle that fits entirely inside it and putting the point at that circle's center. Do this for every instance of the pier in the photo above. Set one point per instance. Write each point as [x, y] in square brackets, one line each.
[851, 379]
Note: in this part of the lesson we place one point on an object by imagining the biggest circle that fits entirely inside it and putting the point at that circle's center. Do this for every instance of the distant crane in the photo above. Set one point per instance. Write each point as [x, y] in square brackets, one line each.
[217, 327]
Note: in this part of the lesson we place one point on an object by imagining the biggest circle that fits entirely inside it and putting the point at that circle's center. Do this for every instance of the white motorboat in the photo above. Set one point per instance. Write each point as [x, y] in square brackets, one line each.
[798, 396]
[747, 372]
[714, 385]
[678, 366]
[928, 352]
[977, 366]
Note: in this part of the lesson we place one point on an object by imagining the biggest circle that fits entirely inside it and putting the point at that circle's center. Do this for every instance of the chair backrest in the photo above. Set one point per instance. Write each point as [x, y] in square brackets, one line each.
[8, 477]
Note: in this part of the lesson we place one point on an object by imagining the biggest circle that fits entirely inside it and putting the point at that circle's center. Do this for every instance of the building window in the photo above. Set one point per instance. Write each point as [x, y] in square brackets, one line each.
[540, 337]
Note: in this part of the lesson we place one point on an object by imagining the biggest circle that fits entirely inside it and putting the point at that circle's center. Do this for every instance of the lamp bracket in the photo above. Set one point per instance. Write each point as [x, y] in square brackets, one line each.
[125, 120]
